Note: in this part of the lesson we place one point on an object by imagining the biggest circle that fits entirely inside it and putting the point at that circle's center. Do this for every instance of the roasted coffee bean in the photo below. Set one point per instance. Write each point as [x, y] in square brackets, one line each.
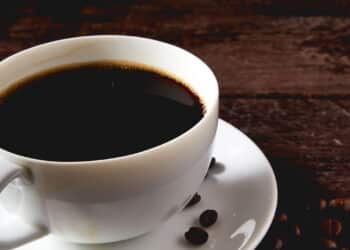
[196, 236]
[329, 244]
[283, 217]
[341, 203]
[212, 162]
[195, 199]
[211, 165]
[331, 227]
[297, 230]
[278, 244]
[208, 218]
[323, 204]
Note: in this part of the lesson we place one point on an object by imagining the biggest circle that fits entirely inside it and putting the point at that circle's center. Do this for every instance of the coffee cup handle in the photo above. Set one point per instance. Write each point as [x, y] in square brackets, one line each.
[13, 231]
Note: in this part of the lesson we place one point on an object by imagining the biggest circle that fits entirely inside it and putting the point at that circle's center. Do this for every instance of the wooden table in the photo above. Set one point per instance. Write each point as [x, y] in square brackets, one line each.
[283, 68]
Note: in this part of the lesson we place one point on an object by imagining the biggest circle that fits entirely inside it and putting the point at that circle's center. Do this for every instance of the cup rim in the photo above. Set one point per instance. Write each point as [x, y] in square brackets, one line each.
[154, 149]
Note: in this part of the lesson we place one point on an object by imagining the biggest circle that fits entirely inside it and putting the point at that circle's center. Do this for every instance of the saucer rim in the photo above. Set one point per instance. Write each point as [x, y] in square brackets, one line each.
[254, 242]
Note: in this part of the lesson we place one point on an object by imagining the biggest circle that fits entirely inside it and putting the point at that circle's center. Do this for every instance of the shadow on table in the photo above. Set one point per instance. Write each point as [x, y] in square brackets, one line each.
[299, 200]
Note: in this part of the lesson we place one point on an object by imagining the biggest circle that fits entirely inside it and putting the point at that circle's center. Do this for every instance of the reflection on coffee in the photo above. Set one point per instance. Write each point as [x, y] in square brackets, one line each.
[94, 111]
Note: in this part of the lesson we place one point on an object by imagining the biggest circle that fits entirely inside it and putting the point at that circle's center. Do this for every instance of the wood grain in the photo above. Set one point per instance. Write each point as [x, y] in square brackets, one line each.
[310, 134]
[251, 55]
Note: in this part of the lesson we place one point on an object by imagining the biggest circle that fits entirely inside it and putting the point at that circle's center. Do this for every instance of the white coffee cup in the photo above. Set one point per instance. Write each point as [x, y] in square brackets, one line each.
[113, 199]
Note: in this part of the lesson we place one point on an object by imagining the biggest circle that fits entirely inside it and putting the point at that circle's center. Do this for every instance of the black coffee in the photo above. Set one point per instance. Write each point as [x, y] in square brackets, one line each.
[94, 111]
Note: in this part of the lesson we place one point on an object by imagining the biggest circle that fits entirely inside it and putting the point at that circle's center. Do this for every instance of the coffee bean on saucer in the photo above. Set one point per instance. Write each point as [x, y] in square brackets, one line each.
[331, 227]
[211, 165]
[195, 199]
[208, 218]
[196, 236]
[212, 162]
[329, 244]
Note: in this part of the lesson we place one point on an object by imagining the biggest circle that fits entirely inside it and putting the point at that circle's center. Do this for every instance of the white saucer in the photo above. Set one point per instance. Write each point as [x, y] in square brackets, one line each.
[241, 187]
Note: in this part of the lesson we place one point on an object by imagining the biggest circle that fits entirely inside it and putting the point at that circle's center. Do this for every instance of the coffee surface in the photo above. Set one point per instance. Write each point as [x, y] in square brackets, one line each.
[94, 111]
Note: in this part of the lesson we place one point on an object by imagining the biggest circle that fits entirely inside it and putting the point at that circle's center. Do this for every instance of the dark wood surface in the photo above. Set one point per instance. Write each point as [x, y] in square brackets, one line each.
[283, 68]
